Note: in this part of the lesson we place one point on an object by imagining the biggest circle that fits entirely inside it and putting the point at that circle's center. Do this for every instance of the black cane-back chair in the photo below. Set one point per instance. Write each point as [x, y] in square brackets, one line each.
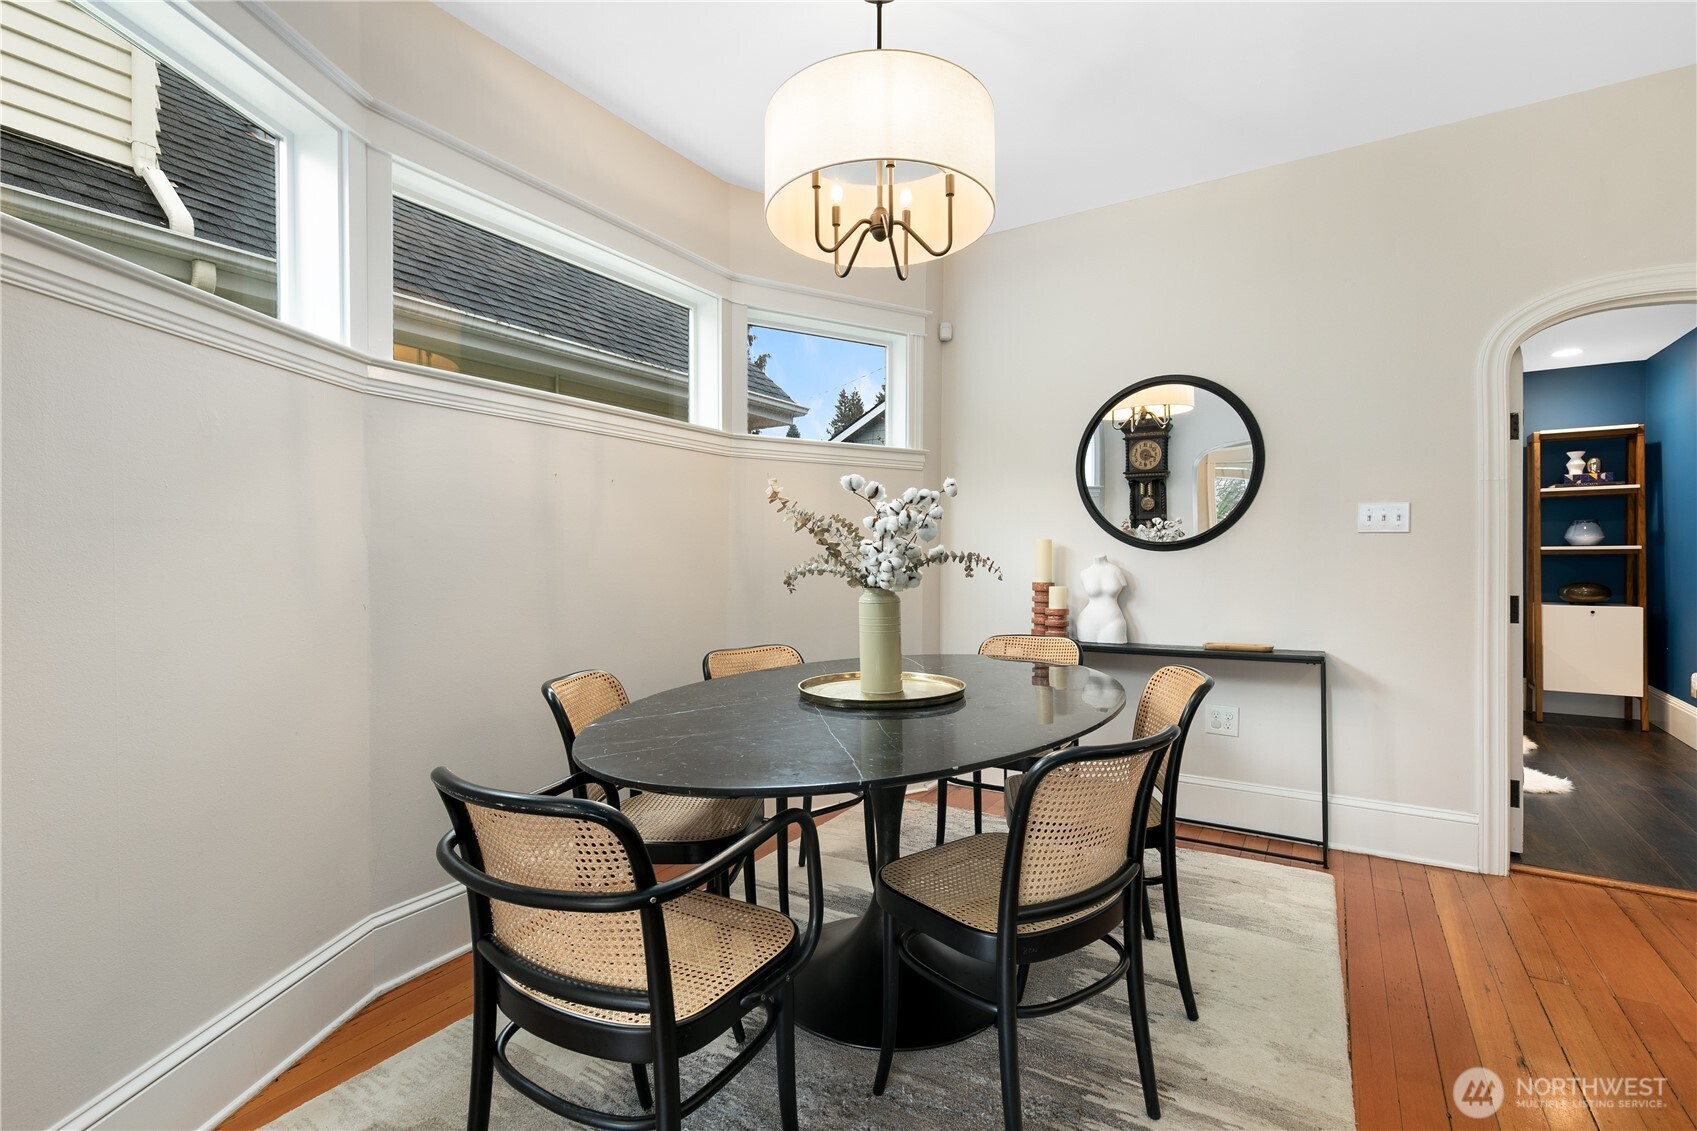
[723, 662]
[574, 941]
[677, 829]
[1063, 876]
[1171, 697]
[1055, 651]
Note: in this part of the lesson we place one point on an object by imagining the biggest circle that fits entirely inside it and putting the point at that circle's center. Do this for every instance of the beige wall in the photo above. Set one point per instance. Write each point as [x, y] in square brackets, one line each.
[1346, 299]
[247, 611]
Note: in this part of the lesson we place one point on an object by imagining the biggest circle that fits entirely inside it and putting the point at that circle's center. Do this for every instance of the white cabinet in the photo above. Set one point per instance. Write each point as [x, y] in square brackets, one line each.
[1596, 649]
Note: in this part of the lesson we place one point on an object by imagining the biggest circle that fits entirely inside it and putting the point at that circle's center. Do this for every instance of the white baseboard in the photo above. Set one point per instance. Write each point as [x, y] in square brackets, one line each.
[1445, 838]
[1675, 716]
[200, 1080]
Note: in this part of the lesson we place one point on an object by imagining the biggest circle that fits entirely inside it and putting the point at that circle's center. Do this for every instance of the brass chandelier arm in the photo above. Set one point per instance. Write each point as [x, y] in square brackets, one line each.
[843, 271]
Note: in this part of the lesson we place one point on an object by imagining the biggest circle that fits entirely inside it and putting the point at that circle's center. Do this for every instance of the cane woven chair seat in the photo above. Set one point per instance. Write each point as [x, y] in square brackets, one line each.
[715, 945]
[1076, 833]
[963, 880]
[663, 817]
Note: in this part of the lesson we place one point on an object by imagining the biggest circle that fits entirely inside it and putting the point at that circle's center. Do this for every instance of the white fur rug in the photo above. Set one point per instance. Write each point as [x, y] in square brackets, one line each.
[1537, 781]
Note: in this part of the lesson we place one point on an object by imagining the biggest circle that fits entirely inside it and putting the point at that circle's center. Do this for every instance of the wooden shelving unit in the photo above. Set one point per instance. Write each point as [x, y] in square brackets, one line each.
[1596, 649]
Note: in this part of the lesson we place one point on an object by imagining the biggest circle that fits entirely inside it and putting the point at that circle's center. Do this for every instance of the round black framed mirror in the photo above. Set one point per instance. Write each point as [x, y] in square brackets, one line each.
[1170, 462]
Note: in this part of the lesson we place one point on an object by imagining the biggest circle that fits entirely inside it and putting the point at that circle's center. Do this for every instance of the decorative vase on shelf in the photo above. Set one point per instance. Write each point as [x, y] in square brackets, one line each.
[1585, 532]
[1576, 464]
[880, 642]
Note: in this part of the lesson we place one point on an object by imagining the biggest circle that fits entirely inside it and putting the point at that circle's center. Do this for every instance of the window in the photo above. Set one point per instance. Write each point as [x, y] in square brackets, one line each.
[102, 142]
[816, 387]
[468, 300]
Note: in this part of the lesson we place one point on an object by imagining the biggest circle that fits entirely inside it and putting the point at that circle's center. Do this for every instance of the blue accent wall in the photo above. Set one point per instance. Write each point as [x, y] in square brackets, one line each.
[1670, 436]
[1586, 396]
[1660, 393]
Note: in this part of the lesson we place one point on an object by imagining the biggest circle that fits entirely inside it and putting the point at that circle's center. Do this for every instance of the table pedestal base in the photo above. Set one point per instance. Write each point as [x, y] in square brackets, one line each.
[840, 994]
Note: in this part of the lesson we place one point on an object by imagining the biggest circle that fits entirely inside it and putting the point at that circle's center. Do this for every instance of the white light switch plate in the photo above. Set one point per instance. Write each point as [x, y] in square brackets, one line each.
[1382, 518]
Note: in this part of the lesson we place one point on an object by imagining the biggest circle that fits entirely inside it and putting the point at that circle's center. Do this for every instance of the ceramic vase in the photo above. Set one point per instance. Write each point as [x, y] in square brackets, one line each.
[1585, 532]
[1576, 464]
[880, 642]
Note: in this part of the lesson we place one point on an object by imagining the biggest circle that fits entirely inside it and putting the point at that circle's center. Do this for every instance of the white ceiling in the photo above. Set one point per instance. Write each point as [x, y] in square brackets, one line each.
[1101, 102]
[1608, 336]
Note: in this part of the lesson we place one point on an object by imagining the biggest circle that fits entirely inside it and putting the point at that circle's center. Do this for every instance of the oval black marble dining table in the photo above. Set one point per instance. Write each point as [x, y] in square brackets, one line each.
[753, 735]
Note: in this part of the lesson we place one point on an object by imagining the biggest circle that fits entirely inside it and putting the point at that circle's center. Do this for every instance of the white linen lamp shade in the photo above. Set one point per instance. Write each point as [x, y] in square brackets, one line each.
[1165, 401]
[843, 116]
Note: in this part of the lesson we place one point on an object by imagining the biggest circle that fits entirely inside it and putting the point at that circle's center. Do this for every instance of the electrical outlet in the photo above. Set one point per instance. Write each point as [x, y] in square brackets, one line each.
[1222, 721]
[1382, 518]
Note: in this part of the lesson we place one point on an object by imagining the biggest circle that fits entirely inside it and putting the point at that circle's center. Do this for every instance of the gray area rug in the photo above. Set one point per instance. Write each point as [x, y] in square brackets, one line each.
[1270, 1051]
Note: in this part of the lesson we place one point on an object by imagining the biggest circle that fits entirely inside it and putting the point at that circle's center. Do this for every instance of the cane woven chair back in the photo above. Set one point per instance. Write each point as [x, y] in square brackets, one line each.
[737, 661]
[1078, 828]
[582, 697]
[1033, 649]
[1162, 705]
[562, 853]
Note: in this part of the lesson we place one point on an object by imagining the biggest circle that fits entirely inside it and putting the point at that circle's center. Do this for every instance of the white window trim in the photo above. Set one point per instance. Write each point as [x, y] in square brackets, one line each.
[420, 186]
[900, 353]
[312, 238]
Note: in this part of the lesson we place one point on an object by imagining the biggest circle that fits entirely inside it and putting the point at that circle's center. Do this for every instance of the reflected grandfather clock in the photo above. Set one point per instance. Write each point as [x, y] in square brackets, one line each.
[1146, 419]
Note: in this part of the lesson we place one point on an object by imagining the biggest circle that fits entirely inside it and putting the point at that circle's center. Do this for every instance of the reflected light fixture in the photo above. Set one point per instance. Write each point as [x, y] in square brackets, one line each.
[896, 145]
[1156, 405]
[1570, 351]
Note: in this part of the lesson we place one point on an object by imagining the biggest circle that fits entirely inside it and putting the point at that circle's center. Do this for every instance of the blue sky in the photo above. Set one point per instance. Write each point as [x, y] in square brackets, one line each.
[813, 369]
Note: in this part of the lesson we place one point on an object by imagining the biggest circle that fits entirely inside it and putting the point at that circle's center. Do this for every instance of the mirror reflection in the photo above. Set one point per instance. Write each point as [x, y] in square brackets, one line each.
[1169, 461]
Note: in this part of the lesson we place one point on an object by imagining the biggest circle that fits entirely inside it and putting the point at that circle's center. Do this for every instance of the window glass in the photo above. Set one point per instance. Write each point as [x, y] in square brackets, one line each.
[101, 142]
[470, 301]
[814, 387]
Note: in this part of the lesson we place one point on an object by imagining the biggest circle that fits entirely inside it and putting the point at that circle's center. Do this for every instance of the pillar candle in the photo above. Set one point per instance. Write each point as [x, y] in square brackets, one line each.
[1057, 596]
[1045, 567]
[1058, 677]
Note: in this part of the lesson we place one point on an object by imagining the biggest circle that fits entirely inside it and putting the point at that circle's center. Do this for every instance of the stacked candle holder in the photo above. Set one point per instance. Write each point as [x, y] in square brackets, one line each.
[1048, 601]
[1055, 616]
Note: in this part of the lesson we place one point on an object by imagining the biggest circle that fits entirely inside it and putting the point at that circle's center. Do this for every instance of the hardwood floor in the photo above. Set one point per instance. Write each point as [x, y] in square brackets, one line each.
[1633, 812]
[1538, 978]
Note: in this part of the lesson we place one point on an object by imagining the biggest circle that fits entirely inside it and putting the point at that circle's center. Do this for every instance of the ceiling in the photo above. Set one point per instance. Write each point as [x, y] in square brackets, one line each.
[1631, 334]
[1101, 102]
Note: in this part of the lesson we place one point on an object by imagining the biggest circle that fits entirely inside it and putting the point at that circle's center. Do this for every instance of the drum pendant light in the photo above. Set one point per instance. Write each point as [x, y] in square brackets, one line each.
[897, 146]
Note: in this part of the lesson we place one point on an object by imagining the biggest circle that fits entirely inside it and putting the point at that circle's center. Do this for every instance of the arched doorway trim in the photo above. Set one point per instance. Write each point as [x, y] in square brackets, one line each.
[1499, 474]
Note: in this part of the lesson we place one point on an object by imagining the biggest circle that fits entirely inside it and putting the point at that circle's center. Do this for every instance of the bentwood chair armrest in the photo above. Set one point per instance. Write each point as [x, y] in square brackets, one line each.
[552, 899]
[577, 785]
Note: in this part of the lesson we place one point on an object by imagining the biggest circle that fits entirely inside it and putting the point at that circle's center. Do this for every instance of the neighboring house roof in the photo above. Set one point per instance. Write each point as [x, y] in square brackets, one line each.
[868, 429]
[761, 385]
[224, 168]
[443, 260]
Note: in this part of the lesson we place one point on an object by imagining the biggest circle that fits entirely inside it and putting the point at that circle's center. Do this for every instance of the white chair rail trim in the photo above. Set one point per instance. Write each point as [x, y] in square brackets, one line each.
[50, 264]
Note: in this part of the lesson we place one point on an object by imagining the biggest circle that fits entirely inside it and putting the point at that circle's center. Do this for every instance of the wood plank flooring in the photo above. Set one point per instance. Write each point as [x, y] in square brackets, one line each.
[1531, 976]
[1633, 812]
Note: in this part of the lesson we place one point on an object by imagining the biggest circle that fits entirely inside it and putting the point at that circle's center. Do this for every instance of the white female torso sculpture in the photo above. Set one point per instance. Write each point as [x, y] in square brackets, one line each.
[1101, 621]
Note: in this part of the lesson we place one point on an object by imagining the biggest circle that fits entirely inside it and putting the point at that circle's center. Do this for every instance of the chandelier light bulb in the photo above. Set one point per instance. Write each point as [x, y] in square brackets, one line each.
[836, 194]
[907, 198]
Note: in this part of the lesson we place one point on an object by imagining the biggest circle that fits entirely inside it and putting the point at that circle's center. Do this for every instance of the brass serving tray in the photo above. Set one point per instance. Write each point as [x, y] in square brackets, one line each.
[919, 689]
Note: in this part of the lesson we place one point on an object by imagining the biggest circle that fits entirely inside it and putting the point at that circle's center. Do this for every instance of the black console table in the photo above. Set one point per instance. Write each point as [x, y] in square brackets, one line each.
[1276, 656]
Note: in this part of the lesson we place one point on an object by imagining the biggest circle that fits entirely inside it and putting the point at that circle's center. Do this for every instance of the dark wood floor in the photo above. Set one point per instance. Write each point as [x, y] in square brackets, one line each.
[1530, 976]
[1632, 814]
